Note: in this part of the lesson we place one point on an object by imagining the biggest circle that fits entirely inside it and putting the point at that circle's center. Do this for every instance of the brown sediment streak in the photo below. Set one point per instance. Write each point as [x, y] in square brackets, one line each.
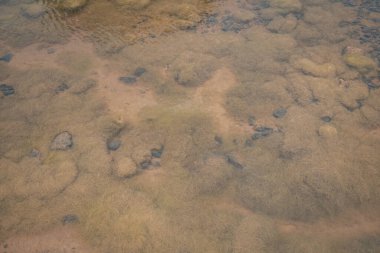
[123, 100]
[351, 224]
[59, 240]
[210, 96]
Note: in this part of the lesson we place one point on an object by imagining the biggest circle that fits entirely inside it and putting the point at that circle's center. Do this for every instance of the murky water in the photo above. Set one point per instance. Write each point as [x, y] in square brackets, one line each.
[190, 126]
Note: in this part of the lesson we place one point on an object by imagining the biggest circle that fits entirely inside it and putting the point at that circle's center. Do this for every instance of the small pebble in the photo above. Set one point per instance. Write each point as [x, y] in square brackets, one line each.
[157, 152]
[279, 113]
[62, 141]
[35, 153]
[50, 50]
[248, 143]
[128, 79]
[326, 119]
[70, 219]
[251, 120]
[7, 57]
[230, 23]
[156, 162]
[7, 90]
[113, 144]
[61, 88]
[262, 132]
[211, 20]
[145, 164]
[232, 160]
[139, 71]
[33, 11]
[218, 140]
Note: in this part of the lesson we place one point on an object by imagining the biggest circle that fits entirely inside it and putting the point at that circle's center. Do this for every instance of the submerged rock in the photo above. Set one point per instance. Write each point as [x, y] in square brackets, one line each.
[352, 95]
[128, 79]
[190, 69]
[261, 132]
[279, 113]
[124, 168]
[146, 164]
[363, 64]
[134, 4]
[309, 67]
[32, 11]
[326, 119]
[61, 88]
[7, 57]
[35, 153]
[372, 83]
[157, 152]
[139, 71]
[286, 6]
[71, 5]
[62, 141]
[6, 89]
[113, 144]
[234, 162]
[251, 120]
[283, 25]
[237, 21]
[70, 219]
[218, 140]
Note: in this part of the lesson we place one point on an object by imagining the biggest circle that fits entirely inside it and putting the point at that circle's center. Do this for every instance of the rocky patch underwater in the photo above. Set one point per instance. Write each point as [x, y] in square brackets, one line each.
[189, 126]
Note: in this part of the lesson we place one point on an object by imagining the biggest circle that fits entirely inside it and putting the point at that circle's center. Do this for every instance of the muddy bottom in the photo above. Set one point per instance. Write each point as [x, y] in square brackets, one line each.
[189, 126]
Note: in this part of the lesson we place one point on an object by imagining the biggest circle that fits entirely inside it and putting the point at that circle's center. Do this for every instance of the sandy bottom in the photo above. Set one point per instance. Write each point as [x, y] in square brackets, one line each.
[251, 126]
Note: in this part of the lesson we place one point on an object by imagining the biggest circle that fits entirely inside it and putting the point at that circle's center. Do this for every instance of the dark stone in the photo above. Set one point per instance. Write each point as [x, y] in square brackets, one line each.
[61, 88]
[70, 219]
[232, 160]
[156, 163]
[251, 120]
[218, 140]
[35, 153]
[157, 152]
[350, 3]
[139, 71]
[7, 90]
[50, 50]
[33, 12]
[345, 23]
[211, 20]
[372, 83]
[262, 5]
[298, 15]
[128, 79]
[326, 119]
[248, 143]
[145, 164]
[261, 132]
[286, 155]
[7, 57]
[113, 144]
[231, 24]
[279, 113]
[62, 141]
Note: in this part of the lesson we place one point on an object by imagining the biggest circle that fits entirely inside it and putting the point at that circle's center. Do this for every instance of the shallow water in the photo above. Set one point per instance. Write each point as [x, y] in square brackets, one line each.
[190, 126]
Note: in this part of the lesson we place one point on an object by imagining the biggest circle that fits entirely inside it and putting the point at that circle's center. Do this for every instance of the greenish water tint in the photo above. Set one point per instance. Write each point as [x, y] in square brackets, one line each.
[189, 126]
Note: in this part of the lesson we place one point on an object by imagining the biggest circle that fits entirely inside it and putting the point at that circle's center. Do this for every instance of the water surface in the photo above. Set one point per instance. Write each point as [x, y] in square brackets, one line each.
[189, 126]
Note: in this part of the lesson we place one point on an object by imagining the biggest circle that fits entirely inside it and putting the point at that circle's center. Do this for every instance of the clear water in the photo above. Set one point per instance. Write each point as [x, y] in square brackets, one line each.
[190, 126]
